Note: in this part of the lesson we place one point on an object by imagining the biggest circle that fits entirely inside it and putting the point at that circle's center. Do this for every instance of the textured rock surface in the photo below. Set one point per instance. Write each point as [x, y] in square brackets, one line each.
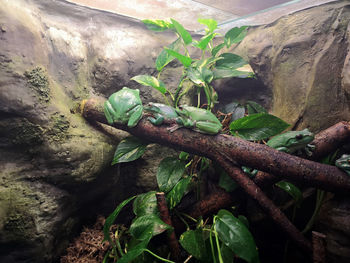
[54, 167]
[334, 222]
[304, 59]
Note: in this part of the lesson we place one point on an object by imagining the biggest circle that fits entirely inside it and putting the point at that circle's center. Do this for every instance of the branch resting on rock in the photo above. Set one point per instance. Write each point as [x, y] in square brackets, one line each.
[250, 154]
[230, 151]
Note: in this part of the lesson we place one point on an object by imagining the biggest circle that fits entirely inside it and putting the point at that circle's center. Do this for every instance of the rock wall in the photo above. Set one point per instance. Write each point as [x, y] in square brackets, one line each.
[304, 59]
[54, 166]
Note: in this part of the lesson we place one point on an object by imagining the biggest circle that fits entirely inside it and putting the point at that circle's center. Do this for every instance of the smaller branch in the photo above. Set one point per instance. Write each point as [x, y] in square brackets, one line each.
[270, 208]
[318, 247]
[330, 139]
[165, 216]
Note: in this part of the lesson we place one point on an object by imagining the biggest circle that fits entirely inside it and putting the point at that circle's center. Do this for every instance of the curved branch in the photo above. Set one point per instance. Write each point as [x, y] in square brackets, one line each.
[250, 154]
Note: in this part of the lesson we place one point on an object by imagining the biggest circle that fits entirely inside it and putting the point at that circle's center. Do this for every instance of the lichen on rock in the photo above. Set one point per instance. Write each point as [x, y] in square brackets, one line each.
[38, 81]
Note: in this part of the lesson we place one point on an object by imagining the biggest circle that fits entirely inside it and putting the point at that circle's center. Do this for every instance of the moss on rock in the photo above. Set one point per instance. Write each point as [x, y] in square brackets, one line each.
[20, 131]
[58, 130]
[38, 81]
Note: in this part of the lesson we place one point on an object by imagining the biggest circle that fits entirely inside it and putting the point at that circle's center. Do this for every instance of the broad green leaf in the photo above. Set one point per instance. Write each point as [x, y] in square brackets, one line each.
[254, 107]
[205, 62]
[183, 156]
[157, 25]
[210, 23]
[200, 75]
[151, 81]
[145, 204]
[236, 109]
[129, 149]
[216, 49]
[164, 57]
[193, 242]
[231, 61]
[112, 217]
[222, 73]
[179, 190]
[134, 252]
[244, 220]
[169, 173]
[186, 61]
[203, 43]
[235, 35]
[292, 190]
[226, 182]
[226, 253]
[257, 126]
[234, 234]
[185, 35]
[147, 226]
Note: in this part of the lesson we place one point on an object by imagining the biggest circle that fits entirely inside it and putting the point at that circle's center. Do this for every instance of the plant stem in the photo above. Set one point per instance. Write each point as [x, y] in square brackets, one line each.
[319, 199]
[159, 257]
[212, 244]
[217, 241]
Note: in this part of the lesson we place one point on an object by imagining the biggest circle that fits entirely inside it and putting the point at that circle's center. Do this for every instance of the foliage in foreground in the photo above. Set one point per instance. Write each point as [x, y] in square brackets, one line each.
[224, 236]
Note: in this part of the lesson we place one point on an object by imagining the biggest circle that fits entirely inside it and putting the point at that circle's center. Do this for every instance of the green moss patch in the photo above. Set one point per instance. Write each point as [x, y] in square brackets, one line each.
[20, 131]
[59, 127]
[38, 81]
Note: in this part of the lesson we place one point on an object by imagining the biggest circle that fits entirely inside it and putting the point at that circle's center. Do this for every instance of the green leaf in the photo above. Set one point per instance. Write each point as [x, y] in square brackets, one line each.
[292, 190]
[145, 204]
[147, 226]
[226, 182]
[234, 234]
[164, 57]
[236, 109]
[200, 75]
[157, 25]
[232, 73]
[244, 220]
[210, 23]
[129, 149]
[254, 107]
[235, 35]
[193, 242]
[183, 156]
[185, 35]
[226, 253]
[111, 218]
[205, 62]
[175, 195]
[257, 126]
[186, 61]
[169, 173]
[231, 61]
[216, 49]
[232, 65]
[203, 43]
[134, 252]
[151, 81]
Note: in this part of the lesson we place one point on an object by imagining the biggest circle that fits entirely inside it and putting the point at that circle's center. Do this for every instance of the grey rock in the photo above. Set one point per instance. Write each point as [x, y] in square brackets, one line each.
[55, 167]
[303, 58]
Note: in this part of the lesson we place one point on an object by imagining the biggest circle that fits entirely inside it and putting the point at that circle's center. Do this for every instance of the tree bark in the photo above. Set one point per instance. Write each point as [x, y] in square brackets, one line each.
[250, 154]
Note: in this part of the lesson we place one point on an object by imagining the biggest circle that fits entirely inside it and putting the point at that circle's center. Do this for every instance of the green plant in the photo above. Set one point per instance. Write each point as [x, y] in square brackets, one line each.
[199, 71]
[223, 236]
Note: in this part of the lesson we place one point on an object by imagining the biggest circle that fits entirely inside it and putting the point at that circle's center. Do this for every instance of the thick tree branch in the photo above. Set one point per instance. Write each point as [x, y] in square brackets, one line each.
[242, 152]
[270, 208]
